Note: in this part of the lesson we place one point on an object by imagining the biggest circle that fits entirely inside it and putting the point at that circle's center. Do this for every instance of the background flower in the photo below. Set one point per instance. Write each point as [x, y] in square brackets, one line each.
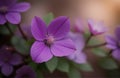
[10, 11]
[51, 41]
[8, 60]
[25, 72]
[78, 56]
[96, 28]
[26, 29]
[114, 43]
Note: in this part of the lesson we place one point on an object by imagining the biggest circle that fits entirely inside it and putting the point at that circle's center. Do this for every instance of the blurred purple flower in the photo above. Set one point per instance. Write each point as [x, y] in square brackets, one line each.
[78, 56]
[26, 29]
[96, 28]
[51, 41]
[8, 60]
[10, 11]
[25, 72]
[114, 43]
[78, 26]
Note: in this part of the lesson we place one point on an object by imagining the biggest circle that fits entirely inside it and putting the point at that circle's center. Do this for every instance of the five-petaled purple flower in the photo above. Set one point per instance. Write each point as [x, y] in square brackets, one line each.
[10, 11]
[114, 43]
[25, 72]
[8, 60]
[96, 28]
[78, 56]
[52, 40]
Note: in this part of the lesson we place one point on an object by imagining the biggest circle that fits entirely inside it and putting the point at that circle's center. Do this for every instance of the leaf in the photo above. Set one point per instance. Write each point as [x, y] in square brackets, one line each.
[108, 63]
[4, 30]
[48, 18]
[39, 74]
[52, 64]
[84, 67]
[63, 65]
[94, 41]
[20, 45]
[33, 65]
[74, 73]
[99, 52]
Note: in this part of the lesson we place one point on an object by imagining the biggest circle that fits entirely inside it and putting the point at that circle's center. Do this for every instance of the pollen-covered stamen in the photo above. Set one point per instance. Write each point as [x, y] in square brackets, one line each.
[3, 9]
[49, 40]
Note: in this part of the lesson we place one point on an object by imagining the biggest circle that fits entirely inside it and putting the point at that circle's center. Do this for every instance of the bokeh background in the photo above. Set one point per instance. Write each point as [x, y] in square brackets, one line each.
[105, 10]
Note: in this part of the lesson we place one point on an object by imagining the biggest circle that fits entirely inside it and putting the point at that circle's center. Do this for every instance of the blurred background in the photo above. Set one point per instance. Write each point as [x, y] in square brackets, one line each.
[105, 10]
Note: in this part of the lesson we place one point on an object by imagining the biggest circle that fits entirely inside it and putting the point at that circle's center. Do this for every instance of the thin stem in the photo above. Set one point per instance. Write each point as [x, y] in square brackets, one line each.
[22, 33]
[95, 46]
[110, 52]
[9, 29]
[88, 39]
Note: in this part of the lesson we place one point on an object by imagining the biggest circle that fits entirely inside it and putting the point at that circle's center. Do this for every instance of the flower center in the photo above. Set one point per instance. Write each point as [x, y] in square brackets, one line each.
[3, 9]
[49, 41]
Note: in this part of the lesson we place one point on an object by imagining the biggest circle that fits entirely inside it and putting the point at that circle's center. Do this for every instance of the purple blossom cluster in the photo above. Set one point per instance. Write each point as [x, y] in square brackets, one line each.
[54, 40]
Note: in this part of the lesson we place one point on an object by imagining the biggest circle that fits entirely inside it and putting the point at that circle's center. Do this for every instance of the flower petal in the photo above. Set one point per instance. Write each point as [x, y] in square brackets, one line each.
[38, 28]
[78, 39]
[110, 40]
[7, 2]
[63, 48]
[117, 33]
[78, 57]
[59, 27]
[116, 54]
[2, 19]
[40, 52]
[13, 18]
[111, 46]
[20, 7]
[96, 28]
[16, 59]
[6, 69]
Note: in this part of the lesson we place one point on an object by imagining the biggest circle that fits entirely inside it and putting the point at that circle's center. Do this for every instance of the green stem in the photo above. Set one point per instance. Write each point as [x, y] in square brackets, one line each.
[9, 29]
[22, 33]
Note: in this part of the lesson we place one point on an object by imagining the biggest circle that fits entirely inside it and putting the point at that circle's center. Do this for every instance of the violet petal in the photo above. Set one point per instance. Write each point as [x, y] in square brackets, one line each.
[40, 52]
[13, 18]
[6, 69]
[59, 27]
[117, 33]
[110, 40]
[63, 47]
[2, 19]
[20, 7]
[7, 2]
[16, 59]
[38, 28]
[116, 54]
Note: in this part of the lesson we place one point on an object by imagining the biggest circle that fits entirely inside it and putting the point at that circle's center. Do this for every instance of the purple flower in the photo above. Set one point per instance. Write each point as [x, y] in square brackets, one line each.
[114, 43]
[78, 26]
[78, 56]
[26, 29]
[8, 60]
[10, 11]
[52, 40]
[25, 72]
[96, 28]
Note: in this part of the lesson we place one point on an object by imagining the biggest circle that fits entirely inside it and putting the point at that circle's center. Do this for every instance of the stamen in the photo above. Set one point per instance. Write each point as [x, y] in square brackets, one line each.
[49, 40]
